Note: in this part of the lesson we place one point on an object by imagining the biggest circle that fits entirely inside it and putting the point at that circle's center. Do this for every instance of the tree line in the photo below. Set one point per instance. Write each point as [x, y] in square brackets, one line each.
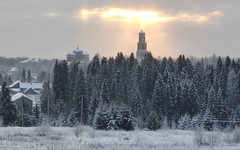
[169, 88]
[120, 92]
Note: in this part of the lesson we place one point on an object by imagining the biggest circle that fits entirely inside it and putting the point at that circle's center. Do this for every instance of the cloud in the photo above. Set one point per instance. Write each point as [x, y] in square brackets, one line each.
[143, 16]
[52, 14]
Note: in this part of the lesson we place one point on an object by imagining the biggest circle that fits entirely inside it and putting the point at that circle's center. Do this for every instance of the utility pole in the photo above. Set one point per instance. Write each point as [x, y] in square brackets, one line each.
[48, 95]
[82, 111]
[22, 112]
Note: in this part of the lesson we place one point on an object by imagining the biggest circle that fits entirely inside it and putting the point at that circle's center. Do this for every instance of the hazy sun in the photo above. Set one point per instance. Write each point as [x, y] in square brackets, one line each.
[123, 15]
[144, 17]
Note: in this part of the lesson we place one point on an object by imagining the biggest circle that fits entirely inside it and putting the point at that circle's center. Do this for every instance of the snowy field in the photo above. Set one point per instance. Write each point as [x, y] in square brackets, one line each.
[85, 138]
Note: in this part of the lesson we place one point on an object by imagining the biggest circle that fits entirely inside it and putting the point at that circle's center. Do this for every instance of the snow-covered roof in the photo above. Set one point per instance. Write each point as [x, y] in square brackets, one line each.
[14, 84]
[18, 96]
[30, 91]
[26, 85]
[15, 89]
[77, 50]
[31, 85]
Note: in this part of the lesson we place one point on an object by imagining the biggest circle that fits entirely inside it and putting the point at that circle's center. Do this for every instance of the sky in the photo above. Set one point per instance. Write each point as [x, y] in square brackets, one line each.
[53, 28]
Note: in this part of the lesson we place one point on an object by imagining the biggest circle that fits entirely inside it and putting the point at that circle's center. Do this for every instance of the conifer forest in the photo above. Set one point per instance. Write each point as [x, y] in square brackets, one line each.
[122, 93]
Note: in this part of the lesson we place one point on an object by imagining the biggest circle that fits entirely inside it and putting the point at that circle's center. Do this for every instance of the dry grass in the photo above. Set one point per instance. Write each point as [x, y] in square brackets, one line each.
[86, 138]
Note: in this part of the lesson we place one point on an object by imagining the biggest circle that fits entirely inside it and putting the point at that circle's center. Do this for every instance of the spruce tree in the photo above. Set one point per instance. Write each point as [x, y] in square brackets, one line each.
[29, 77]
[23, 76]
[8, 111]
[159, 97]
[153, 121]
[80, 99]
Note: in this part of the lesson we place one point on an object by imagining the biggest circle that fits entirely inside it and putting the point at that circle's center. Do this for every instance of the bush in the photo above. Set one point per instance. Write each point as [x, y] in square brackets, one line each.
[188, 123]
[102, 120]
[126, 122]
[184, 123]
[107, 120]
[153, 122]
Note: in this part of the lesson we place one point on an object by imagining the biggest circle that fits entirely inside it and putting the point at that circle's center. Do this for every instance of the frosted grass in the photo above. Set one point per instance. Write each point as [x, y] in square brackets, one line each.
[64, 138]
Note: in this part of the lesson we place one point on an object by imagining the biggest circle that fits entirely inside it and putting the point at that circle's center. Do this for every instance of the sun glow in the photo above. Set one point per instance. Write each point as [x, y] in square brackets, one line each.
[123, 15]
[134, 16]
[143, 17]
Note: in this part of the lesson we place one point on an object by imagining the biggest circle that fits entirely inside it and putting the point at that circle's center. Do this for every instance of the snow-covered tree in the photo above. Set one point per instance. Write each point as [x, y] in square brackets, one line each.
[7, 109]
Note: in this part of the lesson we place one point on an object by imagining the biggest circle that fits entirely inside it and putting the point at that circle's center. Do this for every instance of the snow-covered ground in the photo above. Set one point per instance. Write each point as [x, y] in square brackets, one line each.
[61, 138]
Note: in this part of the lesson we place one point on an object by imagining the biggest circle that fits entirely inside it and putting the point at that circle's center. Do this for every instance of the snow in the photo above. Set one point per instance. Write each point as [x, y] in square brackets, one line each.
[15, 89]
[64, 138]
[31, 85]
[13, 69]
[27, 85]
[18, 96]
[77, 50]
[29, 60]
[14, 83]
[29, 89]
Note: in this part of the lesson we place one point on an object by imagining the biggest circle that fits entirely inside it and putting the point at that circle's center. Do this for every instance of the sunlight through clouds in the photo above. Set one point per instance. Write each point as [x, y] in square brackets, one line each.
[133, 16]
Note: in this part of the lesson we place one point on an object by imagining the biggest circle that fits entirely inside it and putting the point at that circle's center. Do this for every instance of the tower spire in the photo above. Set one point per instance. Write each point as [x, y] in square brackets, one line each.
[141, 46]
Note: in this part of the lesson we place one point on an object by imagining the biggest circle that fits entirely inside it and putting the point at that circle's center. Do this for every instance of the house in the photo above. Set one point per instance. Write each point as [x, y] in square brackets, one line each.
[22, 102]
[31, 91]
[19, 86]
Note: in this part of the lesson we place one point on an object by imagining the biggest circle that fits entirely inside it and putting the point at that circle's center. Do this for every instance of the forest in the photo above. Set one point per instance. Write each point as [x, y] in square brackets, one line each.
[122, 93]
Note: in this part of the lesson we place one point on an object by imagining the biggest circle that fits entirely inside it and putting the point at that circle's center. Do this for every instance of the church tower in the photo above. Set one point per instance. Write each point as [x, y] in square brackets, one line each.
[141, 46]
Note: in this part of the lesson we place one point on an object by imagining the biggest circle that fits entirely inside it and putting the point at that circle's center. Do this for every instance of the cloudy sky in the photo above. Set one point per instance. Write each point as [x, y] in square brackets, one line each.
[53, 28]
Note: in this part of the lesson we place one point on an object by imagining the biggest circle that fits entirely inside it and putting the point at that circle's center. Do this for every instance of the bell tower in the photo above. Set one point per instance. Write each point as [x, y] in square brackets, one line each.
[141, 46]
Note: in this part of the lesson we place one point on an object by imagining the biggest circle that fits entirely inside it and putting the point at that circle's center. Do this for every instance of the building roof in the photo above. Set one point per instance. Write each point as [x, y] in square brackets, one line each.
[31, 85]
[18, 96]
[71, 54]
[77, 50]
[30, 91]
[15, 84]
[19, 84]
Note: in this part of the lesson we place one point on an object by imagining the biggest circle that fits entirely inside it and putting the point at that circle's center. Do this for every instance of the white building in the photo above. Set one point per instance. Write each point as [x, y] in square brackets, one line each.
[141, 46]
[78, 55]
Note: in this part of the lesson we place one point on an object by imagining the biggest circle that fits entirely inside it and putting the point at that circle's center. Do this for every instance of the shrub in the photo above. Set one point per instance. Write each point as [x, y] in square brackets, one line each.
[102, 120]
[184, 123]
[107, 120]
[153, 122]
[126, 122]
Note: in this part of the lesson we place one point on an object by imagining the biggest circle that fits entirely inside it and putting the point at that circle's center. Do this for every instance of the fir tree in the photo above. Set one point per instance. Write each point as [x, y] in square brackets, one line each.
[159, 97]
[29, 77]
[80, 99]
[23, 76]
[153, 122]
[127, 121]
[8, 111]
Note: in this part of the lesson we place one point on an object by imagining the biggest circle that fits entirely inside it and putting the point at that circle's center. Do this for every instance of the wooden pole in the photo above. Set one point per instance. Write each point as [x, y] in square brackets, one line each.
[82, 111]
[48, 96]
